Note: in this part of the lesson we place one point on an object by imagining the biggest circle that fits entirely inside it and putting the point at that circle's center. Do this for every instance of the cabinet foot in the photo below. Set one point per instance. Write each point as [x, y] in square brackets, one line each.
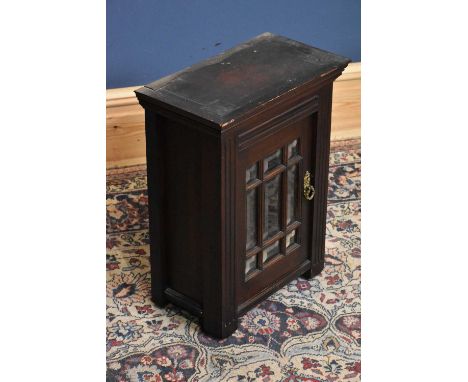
[160, 300]
[314, 270]
[218, 329]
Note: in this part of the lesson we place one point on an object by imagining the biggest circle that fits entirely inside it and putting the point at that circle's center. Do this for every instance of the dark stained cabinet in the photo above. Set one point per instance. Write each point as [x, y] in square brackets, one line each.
[237, 154]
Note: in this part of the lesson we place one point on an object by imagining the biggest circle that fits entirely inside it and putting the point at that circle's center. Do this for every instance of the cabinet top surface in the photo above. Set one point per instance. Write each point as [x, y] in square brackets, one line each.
[223, 88]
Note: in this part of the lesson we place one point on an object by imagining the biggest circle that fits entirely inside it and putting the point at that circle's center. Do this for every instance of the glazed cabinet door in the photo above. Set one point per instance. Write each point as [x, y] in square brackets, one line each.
[275, 193]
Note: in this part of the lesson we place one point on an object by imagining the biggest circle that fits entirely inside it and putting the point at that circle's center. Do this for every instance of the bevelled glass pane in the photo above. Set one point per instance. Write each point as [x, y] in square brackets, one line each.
[293, 183]
[293, 149]
[291, 238]
[251, 173]
[270, 162]
[271, 251]
[251, 237]
[250, 264]
[272, 207]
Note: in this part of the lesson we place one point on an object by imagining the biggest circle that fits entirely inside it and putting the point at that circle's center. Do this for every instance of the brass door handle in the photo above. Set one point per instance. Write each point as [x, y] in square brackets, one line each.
[309, 190]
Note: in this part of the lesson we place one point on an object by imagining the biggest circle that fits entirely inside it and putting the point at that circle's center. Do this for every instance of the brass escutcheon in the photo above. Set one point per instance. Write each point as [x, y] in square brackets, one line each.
[309, 190]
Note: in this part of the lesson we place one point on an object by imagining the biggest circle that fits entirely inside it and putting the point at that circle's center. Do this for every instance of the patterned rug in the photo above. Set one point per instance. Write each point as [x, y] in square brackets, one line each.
[307, 331]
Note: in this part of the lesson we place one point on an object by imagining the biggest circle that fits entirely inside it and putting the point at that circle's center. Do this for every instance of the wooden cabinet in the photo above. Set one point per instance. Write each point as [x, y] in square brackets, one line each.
[237, 154]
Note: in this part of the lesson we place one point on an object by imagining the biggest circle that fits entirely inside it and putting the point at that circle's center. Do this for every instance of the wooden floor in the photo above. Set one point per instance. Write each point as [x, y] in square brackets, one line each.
[125, 133]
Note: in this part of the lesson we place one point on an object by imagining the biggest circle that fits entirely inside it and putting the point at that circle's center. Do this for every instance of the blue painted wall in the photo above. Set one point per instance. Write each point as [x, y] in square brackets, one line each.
[148, 39]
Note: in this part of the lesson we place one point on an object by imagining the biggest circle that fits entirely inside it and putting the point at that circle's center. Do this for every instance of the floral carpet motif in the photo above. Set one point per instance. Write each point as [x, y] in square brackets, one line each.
[309, 331]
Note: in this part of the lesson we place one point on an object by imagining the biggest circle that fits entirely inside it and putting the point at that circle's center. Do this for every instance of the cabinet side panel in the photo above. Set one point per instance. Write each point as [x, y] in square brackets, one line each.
[192, 202]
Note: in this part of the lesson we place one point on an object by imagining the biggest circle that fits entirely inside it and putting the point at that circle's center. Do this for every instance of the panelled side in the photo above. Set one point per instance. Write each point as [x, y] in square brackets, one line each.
[192, 209]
